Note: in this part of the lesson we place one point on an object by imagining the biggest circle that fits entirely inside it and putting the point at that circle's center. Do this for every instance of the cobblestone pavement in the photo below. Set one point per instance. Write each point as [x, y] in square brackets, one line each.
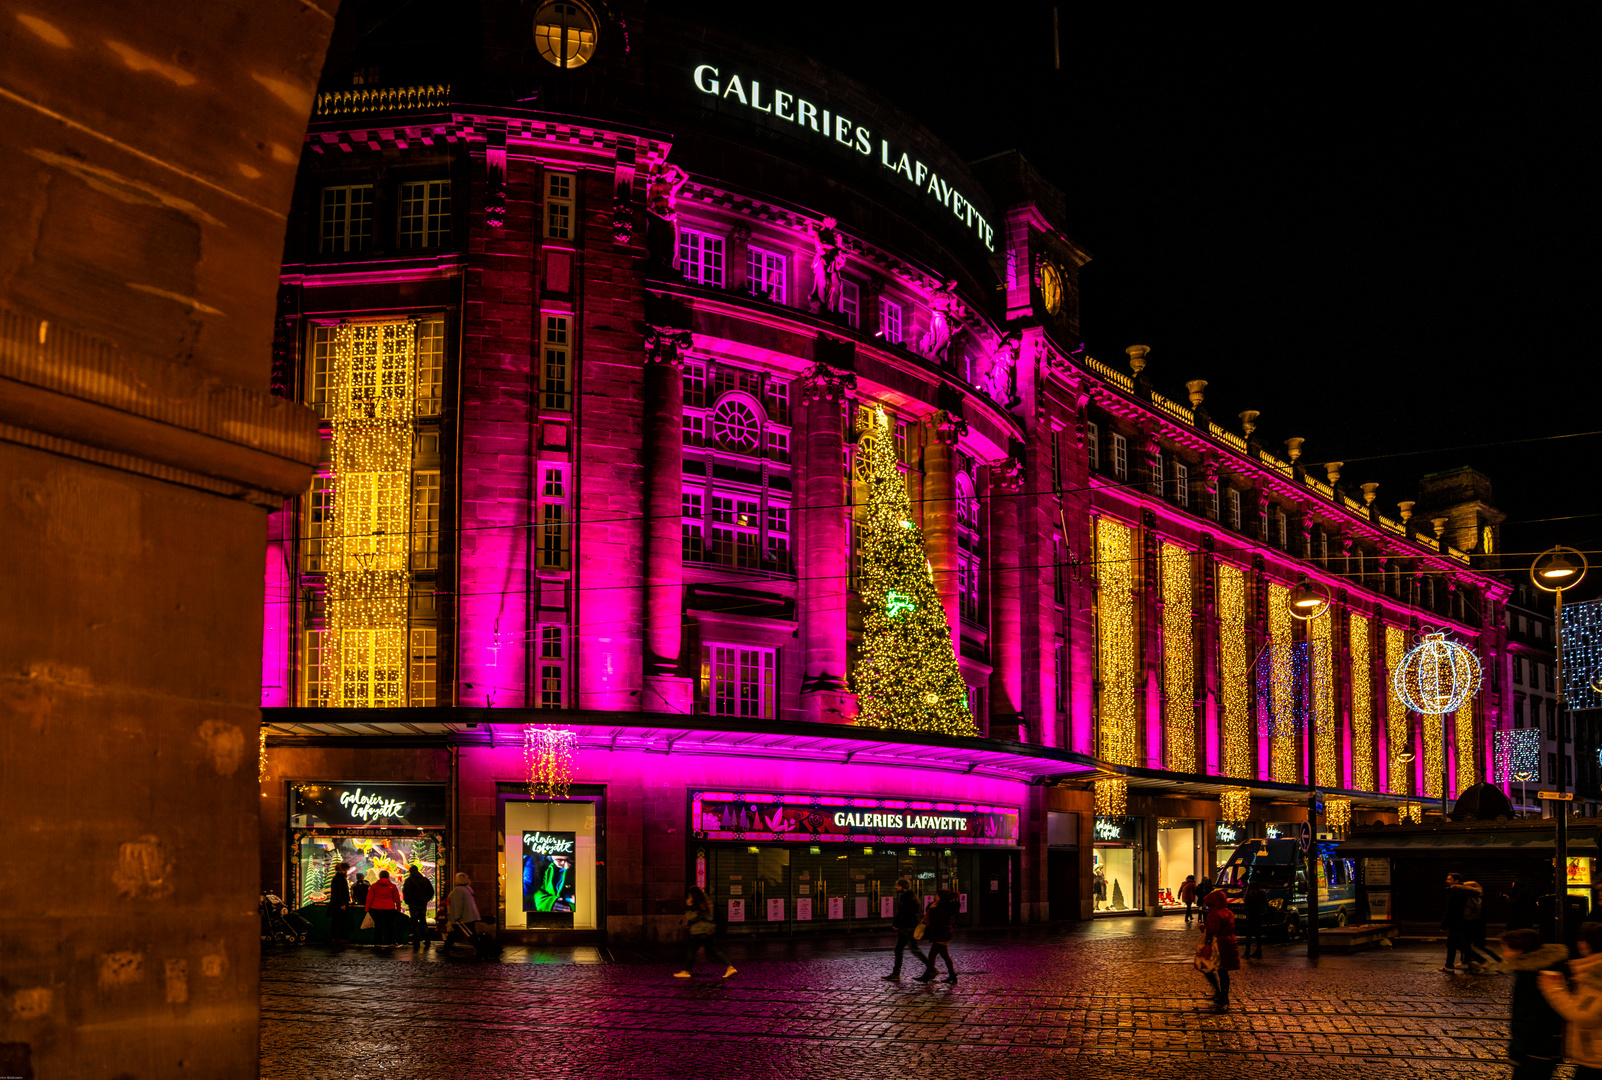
[1109, 999]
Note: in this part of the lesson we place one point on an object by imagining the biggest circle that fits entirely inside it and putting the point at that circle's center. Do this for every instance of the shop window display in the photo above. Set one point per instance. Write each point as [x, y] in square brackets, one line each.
[550, 865]
[364, 857]
[1177, 858]
[1115, 868]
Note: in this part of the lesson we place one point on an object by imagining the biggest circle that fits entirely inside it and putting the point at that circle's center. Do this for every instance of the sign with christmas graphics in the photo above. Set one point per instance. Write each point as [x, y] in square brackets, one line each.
[749, 816]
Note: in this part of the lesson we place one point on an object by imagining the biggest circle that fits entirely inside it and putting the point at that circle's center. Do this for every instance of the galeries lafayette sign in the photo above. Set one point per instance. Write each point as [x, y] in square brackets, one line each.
[763, 96]
[769, 816]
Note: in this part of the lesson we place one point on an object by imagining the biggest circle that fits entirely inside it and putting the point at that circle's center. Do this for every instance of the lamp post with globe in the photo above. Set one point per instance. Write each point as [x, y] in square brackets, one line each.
[1553, 571]
[1308, 602]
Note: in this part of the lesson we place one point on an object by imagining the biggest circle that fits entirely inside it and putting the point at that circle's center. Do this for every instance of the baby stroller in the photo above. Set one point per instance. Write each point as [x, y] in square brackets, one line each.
[278, 923]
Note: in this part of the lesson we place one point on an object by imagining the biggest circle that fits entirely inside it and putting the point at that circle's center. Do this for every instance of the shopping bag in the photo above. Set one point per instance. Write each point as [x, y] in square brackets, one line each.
[367, 923]
[917, 932]
[1206, 958]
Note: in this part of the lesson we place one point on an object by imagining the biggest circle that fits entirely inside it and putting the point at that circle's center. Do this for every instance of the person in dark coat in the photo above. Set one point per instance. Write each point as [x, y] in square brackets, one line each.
[1256, 913]
[1453, 922]
[339, 903]
[358, 891]
[937, 929]
[417, 892]
[1535, 1033]
[1187, 895]
[1218, 923]
[906, 920]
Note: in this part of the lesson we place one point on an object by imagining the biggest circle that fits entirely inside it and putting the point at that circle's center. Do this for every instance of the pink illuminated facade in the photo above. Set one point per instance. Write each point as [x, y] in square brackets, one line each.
[591, 343]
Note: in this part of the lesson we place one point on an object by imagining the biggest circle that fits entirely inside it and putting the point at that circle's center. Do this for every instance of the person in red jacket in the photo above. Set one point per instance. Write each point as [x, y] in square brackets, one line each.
[1187, 895]
[1218, 922]
[383, 904]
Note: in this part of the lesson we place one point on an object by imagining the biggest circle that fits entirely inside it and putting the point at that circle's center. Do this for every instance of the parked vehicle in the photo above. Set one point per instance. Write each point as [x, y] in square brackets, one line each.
[1280, 867]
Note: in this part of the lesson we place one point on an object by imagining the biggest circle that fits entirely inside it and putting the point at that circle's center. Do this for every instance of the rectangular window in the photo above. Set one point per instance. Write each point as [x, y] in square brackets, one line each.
[1212, 500]
[779, 446]
[430, 367]
[553, 532]
[558, 376]
[319, 519]
[1056, 463]
[694, 385]
[851, 302]
[778, 401]
[1093, 445]
[764, 274]
[694, 429]
[1234, 509]
[552, 667]
[1323, 549]
[320, 370]
[1546, 672]
[1056, 569]
[1120, 457]
[890, 321]
[740, 681]
[901, 440]
[425, 521]
[1518, 670]
[1181, 483]
[425, 214]
[736, 524]
[1284, 543]
[559, 206]
[312, 666]
[347, 219]
[701, 258]
[694, 541]
[372, 671]
[778, 541]
[424, 667]
[968, 590]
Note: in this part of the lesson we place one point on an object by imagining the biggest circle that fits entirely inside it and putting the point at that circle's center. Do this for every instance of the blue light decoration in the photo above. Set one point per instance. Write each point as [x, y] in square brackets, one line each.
[1582, 655]
[1518, 756]
[1286, 676]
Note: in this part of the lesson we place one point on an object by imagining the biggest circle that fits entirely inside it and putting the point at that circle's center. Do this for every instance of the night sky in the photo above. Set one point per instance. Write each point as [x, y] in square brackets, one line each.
[1376, 229]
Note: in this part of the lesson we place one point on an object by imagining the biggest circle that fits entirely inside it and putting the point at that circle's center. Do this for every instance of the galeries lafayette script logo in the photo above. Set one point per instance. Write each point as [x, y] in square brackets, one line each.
[368, 807]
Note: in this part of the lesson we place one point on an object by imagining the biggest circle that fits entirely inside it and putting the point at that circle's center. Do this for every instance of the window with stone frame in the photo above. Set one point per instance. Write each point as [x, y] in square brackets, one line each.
[425, 214]
[424, 667]
[970, 563]
[765, 274]
[890, 321]
[556, 386]
[553, 540]
[347, 224]
[1093, 444]
[551, 667]
[560, 218]
[701, 257]
[1181, 483]
[1234, 509]
[1120, 456]
[737, 680]
[851, 302]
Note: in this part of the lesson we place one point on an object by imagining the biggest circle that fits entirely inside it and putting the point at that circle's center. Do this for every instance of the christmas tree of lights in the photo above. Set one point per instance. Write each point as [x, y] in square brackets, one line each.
[907, 676]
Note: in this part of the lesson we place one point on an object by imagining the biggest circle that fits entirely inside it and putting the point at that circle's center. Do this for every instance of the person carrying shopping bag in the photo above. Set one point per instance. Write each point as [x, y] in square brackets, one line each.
[1219, 953]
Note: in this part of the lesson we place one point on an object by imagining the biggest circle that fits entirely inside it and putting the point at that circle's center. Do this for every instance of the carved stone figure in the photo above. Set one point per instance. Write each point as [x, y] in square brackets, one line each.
[826, 258]
[662, 186]
[945, 319]
[1001, 377]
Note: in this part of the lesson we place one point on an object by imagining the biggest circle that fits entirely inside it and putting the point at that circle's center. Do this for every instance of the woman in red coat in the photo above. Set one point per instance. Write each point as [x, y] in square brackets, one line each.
[383, 904]
[1219, 923]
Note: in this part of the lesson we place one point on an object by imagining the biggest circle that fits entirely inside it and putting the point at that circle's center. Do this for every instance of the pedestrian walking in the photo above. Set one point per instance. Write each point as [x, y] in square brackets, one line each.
[937, 931]
[1187, 895]
[905, 919]
[1535, 1033]
[339, 903]
[1477, 956]
[383, 904]
[417, 892]
[1582, 1005]
[1218, 926]
[703, 932]
[461, 912]
[1256, 905]
[1453, 921]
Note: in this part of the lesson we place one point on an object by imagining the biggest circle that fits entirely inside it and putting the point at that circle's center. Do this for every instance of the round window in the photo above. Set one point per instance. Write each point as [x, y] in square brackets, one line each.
[565, 33]
[735, 425]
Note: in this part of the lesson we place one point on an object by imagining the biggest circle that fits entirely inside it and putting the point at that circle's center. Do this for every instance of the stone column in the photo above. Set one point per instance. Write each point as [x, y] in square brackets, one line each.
[941, 432]
[825, 557]
[1006, 609]
[668, 687]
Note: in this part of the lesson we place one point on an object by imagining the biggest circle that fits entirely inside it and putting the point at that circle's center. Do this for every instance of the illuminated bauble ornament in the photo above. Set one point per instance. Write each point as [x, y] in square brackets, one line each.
[1436, 676]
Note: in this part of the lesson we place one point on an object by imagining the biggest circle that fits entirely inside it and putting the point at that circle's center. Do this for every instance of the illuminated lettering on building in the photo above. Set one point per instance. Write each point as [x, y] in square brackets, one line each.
[794, 109]
[902, 821]
[368, 807]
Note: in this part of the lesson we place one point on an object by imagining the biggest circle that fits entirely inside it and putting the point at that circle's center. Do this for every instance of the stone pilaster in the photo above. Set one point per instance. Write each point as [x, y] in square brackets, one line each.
[823, 534]
[668, 685]
[942, 430]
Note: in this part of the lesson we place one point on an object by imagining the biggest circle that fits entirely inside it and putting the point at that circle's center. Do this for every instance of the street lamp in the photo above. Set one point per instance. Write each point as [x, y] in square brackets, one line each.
[1406, 758]
[1553, 571]
[1308, 602]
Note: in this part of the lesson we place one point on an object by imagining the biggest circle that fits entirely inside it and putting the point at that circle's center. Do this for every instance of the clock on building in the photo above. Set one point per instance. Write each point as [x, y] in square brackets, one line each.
[1050, 287]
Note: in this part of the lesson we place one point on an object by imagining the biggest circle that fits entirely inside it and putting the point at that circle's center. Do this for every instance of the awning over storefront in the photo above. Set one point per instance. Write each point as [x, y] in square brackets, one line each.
[717, 736]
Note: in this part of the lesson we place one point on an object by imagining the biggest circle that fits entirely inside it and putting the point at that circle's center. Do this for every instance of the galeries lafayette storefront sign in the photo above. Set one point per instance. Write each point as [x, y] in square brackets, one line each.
[769, 816]
[760, 94]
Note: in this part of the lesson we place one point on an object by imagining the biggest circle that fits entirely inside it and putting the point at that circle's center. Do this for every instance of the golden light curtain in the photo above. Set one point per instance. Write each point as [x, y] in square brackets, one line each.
[1396, 729]
[1463, 727]
[364, 648]
[1116, 675]
[1234, 672]
[1282, 686]
[1363, 741]
[1320, 636]
[1179, 668]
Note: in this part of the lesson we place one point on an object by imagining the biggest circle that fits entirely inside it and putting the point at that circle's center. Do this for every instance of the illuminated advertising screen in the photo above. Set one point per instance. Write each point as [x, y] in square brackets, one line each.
[549, 877]
[762, 816]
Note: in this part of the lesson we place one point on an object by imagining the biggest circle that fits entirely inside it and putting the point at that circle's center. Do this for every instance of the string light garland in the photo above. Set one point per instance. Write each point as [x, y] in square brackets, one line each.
[1410, 813]
[907, 676]
[1319, 632]
[1362, 703]
[1463, 728]
[1338, 813]
[1179, 672]
[261, 757]
[1235, 804]
[364, 646]
[1116, 739]
[548, 760]
[1518, 755]
[1234, 691]
[1281, 669]
[1582, 655]
[1397, 735]
[1112, 797]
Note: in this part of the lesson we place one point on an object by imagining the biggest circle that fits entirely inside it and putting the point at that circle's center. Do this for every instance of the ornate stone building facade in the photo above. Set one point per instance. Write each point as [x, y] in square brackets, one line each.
[594, 319]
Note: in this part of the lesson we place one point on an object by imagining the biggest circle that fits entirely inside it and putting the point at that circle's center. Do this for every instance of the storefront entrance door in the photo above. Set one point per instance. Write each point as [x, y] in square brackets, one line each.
[995, 888]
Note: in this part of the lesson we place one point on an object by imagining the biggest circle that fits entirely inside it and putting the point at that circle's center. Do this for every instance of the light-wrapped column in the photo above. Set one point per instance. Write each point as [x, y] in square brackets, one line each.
[1234, 671]
[1179, 668]
[1363, 741]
